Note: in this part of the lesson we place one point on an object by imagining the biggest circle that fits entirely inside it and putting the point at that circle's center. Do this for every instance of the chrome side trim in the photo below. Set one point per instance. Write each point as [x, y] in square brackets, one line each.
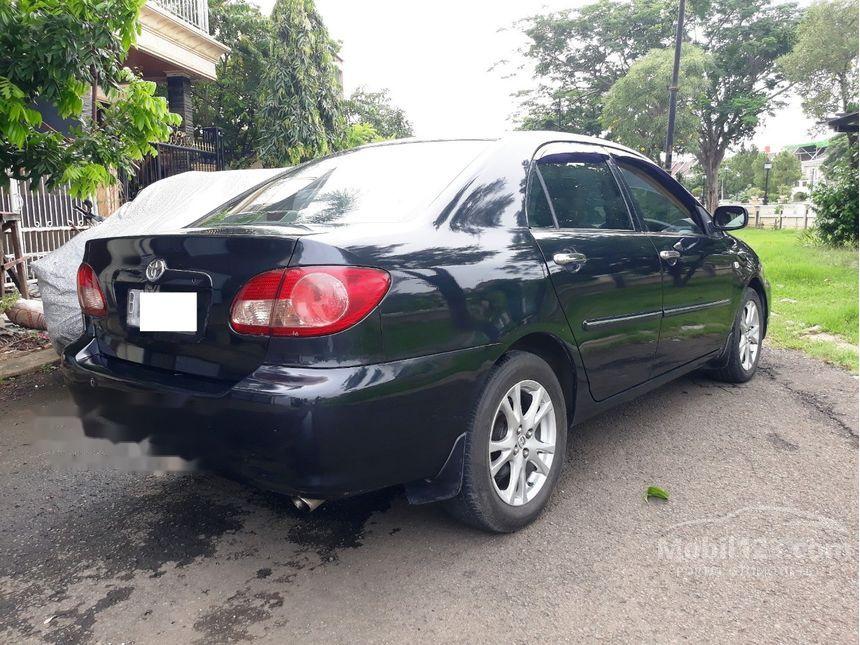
[676, 311]
[601, 323]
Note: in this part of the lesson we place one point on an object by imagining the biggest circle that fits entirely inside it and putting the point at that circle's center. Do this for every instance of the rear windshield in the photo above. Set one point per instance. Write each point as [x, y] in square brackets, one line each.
[377, 184]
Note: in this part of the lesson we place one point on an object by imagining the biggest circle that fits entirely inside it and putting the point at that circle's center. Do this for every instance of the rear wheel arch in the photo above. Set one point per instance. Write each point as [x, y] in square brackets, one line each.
[552, 351]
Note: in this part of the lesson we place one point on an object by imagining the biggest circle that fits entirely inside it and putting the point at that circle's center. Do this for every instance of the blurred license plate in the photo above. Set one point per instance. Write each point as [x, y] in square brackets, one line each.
[158, 311]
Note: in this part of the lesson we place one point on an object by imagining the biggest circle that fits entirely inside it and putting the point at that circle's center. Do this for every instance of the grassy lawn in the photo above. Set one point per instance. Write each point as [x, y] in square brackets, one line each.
[814, 295]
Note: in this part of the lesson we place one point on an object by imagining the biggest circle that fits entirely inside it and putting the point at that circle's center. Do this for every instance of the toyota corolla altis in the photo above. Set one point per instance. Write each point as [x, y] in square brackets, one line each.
[433, 314]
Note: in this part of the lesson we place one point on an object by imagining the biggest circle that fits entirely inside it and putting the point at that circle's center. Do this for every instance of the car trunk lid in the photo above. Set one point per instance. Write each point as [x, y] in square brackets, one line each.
[213, 264]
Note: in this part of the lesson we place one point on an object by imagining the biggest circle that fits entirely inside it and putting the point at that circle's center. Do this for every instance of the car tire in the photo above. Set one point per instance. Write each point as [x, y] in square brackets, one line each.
[533, 447]
[746, 341]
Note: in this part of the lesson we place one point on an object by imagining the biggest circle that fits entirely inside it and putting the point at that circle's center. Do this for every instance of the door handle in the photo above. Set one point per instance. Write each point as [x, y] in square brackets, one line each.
[670, 257]
[567, 259]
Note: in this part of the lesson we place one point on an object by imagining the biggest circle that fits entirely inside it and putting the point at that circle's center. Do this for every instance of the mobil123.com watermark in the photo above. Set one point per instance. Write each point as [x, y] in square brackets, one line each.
[757, 541]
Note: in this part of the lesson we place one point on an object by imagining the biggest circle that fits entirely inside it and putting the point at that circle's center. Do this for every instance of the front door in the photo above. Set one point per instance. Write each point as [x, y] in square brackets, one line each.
[605, 272]
[698, 272]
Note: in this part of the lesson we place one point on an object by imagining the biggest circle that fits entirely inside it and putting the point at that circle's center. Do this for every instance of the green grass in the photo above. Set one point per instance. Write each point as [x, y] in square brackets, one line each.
[814, 299]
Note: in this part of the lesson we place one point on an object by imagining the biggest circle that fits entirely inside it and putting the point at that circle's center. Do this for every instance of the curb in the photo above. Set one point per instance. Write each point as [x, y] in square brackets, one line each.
[30, 362]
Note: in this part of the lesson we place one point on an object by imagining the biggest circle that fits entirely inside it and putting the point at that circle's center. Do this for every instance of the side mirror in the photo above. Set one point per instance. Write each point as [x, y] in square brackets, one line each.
[730, 218]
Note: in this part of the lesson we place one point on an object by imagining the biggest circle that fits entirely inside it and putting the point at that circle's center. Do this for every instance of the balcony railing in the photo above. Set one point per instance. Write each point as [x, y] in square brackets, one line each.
[194, 12]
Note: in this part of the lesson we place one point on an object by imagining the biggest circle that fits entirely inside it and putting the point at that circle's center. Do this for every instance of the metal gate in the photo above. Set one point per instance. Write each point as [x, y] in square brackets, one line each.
[48, 219]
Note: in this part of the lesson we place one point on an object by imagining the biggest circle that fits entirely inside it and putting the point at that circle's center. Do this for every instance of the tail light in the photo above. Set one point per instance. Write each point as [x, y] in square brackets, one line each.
[307, 301]
[90, 295]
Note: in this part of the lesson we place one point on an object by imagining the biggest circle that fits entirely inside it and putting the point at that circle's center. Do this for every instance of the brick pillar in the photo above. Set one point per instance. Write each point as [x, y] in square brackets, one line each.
[179, 100]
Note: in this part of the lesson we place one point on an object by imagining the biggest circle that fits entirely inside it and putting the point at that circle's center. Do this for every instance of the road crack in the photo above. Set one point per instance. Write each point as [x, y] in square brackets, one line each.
[814, 402]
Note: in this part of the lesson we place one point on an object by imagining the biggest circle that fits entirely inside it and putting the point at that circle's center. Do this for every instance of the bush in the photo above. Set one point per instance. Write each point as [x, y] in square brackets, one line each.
[835, 204]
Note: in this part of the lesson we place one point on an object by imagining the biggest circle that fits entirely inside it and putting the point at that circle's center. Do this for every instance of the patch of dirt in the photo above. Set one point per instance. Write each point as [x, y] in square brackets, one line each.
[16, 340]
[815, 333]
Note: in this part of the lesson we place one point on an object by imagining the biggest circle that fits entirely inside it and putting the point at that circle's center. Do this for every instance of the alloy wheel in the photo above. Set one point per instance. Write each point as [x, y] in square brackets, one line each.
[750, 335]
[522, 442]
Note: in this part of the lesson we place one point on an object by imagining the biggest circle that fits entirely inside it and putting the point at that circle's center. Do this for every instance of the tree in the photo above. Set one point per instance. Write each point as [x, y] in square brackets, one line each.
[784, 172]
[745, 170]
[738, 172]
[823, 62]
[744, 39]
[579, 54]
[375, 109]
[635, 109]
[232, 101]
[835, 199]
[300, 105]
[51, 52]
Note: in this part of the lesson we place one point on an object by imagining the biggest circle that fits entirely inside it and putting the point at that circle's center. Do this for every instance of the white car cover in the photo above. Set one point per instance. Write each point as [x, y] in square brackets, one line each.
[166, 205]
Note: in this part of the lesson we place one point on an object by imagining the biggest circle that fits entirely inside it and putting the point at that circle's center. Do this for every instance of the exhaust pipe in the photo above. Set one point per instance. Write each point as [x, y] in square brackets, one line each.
[305, 504]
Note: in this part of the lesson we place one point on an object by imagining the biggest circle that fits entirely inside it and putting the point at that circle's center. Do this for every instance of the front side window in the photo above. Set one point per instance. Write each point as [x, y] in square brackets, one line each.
[659, 208]
[386, 183]
[583, 192]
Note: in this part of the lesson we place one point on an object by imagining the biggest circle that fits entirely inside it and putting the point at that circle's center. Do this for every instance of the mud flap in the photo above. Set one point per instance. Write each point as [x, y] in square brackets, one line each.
[446, 484]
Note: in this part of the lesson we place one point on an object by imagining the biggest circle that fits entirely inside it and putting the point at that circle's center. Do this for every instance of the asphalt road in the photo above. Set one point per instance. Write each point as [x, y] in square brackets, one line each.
[757, 543]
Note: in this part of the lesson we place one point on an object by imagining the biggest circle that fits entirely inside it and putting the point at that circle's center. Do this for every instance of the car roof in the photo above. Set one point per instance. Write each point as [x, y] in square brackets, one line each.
[535, 138]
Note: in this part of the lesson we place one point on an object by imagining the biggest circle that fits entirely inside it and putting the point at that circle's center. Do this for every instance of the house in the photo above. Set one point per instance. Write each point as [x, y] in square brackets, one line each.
[811, 155]
[175, 48]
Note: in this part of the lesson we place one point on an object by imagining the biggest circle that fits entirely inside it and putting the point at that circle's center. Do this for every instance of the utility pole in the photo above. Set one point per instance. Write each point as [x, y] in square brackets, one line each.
[673, 88]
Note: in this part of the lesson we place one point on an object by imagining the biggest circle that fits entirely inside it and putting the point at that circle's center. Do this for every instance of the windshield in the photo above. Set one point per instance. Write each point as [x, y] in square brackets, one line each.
[377, 184]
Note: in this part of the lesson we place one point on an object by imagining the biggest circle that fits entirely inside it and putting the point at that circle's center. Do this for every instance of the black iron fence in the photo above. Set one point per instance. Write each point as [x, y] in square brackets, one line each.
[183, 153]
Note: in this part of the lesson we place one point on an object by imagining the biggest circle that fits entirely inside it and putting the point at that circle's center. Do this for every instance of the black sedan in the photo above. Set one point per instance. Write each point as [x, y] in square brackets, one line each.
[433, 314]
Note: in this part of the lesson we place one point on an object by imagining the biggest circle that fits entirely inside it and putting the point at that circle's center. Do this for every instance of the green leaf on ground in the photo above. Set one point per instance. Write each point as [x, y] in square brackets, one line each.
[656, 491]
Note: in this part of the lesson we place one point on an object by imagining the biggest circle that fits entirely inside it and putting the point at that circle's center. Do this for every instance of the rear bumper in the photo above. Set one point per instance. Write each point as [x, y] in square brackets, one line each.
[320, 433]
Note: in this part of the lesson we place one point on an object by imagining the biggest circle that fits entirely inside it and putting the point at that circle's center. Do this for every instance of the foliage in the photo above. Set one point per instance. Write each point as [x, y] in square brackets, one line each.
[51, 51]
[835, 199]
[8, 300]
[300, 113]
[823, 62]
[232, 101]
[635, 109]
[358, 134]
[815, 294]
[737, 174]
[745, 171]
[692, 180]
[579, 54]
[744, 39]
[657, 493]
[784, 173]
[375, 109]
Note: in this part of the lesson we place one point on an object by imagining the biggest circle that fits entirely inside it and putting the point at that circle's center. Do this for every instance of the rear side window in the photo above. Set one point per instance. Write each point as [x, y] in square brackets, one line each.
[583, 193]
[385, 183]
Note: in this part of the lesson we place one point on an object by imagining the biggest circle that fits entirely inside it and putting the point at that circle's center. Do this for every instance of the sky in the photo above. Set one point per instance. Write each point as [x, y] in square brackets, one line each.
[435, 59]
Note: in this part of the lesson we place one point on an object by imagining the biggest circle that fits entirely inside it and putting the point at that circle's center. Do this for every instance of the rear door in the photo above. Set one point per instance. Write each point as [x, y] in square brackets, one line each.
[698, 272]
[605, 272]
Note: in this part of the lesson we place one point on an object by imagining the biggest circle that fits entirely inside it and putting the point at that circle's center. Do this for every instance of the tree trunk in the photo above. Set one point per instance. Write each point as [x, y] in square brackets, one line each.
[710, 168]
[710, 153]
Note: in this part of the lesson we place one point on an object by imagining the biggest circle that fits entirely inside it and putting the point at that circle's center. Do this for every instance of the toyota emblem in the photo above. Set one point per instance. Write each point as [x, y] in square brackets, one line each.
[155, 269]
